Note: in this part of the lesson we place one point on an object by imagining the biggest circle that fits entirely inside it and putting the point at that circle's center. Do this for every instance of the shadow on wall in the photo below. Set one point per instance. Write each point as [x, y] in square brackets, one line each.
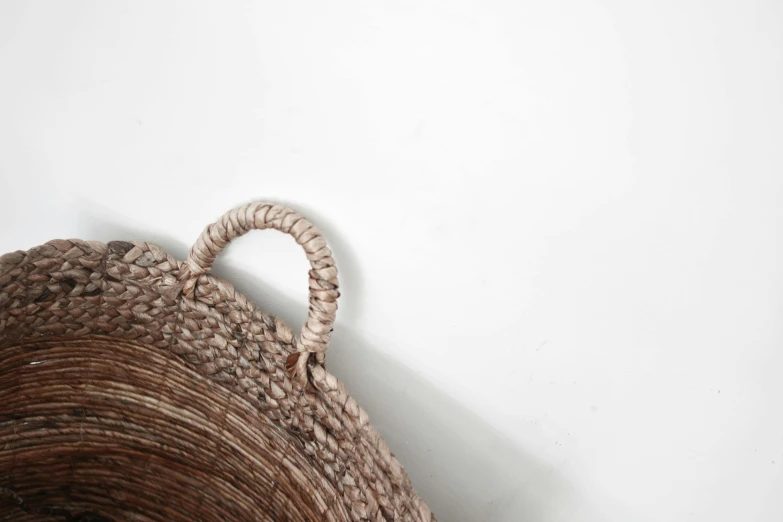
[462, 468]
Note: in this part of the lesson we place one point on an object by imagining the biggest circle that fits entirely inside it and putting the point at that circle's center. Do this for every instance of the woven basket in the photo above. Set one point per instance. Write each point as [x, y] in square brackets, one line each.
[134, 386]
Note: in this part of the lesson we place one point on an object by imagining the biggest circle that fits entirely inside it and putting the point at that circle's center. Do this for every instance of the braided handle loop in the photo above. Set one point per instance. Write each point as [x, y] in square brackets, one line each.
[324, 288]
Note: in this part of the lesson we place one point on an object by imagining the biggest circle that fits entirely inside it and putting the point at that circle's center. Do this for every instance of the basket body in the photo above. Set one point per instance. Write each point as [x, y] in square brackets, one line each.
[134, 386]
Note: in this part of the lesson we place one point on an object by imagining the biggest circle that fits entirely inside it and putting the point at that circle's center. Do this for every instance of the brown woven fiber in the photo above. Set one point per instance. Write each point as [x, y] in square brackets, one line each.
[134, 386]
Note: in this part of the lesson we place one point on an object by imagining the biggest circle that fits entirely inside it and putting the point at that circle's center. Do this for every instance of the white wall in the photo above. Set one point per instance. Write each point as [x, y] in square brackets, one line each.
[558, 223]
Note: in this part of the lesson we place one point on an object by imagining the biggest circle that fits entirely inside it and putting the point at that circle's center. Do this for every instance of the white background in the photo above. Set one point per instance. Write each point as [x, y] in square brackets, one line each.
[558, 223]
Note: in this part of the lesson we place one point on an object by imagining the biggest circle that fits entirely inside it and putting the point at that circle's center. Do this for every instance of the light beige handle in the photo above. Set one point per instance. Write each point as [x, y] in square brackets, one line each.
[324, 288]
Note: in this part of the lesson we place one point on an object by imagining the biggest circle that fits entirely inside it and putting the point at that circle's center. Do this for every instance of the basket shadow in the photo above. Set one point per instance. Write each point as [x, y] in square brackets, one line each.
[462, 467]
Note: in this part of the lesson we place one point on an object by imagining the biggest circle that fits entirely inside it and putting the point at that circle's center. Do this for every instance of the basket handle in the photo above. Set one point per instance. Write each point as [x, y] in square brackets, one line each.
[324, 288]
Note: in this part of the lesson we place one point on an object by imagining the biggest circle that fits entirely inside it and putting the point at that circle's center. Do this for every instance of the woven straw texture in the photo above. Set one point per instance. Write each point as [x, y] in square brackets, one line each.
[134, 386]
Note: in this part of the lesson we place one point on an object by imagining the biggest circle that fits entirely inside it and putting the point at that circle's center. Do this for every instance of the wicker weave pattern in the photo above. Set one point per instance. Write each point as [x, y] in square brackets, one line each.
[82, 444]
[136, 291]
